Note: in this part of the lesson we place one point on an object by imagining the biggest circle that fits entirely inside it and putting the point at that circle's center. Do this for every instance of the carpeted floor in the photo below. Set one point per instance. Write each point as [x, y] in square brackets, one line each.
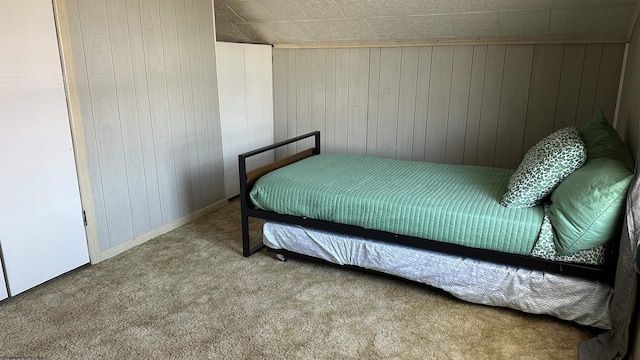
[190, 294]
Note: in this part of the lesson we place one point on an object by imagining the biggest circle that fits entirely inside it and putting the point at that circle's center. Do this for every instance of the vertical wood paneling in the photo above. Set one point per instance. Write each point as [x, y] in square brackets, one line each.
[372, 104]
[162, 136]
[318, 90]
[590, 69]
[474, 108]
[513, 105]
[330, 100]
[86, 112]
[389, 87]
[188, 97]
[124, 77]
[303, 84]
[180, 155]
[280, 100]
[292, 99]
[569, 88]
[358, 101]
[198, 70]
[608, 79]
[407, 102]
[215, 160]
[491, 93]
[545, 81]
[439, 97]
[340, 132]
[422, 102]
[147, 91]
[481, 105]
[458, 105]
[104, 104]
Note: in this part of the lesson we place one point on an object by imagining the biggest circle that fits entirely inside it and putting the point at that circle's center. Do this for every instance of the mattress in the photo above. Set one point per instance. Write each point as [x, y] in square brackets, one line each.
[457, 204]
[585, 302]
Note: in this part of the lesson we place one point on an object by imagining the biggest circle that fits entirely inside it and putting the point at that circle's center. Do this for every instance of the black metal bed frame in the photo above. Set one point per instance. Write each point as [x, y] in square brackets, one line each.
[247, 210]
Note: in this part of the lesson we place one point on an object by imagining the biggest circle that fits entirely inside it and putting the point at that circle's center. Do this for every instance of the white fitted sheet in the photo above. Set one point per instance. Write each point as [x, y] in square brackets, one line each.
[586, 302]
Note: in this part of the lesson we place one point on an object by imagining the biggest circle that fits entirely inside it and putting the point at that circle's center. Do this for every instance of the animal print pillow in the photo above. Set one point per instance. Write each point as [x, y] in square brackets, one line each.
[544, 166]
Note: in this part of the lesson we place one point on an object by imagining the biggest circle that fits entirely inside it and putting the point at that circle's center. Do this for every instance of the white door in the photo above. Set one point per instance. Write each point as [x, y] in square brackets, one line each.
[41, 228]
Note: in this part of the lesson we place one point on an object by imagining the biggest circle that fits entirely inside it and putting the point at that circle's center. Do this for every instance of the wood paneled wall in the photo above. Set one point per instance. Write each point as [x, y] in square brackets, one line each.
[472, 104]
[145, 79]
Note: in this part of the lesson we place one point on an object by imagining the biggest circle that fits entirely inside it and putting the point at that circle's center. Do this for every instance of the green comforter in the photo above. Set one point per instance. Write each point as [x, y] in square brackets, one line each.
[451, 203]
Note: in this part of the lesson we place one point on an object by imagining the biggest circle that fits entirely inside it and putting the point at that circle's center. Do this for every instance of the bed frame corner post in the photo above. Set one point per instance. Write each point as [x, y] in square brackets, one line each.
[246, 246]
[316, 135]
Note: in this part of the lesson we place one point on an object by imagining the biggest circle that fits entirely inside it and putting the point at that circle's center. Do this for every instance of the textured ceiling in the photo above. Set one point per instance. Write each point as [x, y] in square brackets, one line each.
[318, 22]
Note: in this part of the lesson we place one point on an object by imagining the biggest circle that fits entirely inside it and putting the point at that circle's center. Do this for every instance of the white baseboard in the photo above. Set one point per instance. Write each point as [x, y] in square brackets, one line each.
[120, 248]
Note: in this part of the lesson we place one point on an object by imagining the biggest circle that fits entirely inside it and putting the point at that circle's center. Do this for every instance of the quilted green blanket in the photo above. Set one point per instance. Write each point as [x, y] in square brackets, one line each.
[451, 203]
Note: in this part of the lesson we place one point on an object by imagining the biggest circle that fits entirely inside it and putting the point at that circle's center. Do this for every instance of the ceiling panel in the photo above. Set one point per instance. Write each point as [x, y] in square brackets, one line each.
[326, 22]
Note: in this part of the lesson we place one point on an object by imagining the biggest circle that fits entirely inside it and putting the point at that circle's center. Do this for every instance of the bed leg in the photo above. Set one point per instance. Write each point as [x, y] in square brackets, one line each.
[246, 247]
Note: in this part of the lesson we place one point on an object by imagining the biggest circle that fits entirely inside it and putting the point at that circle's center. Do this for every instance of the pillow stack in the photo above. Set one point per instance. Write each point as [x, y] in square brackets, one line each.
[588, 206]
[587, 175]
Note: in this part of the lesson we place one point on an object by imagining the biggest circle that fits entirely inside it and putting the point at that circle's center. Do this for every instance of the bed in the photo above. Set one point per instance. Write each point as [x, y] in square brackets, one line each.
[543, 238]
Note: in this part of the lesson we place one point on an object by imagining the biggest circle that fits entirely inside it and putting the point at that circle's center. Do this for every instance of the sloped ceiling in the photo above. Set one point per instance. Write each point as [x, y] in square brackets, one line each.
[322, 22]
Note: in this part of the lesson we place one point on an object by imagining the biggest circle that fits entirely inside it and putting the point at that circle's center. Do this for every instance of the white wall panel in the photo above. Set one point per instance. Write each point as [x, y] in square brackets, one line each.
[246, 106]
[480, 104]
[146, 87]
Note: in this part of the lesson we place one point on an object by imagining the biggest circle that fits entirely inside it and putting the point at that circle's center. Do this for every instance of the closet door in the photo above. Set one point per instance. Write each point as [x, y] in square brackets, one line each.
[41, 227]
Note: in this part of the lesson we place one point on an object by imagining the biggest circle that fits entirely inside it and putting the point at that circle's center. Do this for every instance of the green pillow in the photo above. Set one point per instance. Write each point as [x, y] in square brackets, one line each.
[603, 141]
[544, 166]
[588, 206]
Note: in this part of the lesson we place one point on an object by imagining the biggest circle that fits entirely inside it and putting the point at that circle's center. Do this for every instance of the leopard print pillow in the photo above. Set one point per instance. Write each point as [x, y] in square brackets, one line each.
[544, 166]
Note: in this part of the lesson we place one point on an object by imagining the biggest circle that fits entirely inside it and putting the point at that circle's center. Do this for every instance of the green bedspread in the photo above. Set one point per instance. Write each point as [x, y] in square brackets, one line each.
[451, 203]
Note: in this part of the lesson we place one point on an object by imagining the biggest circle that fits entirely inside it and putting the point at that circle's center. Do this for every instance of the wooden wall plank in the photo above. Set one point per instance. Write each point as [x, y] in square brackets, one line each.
[189, 111]
[104, 104]
[154, 53]
[303, 85]
[206, 27]
[494, 73]
[99, 220]
[358, 101]
[543, 95]
[280, 99]
[292, 99]
[373, 102]
[513, 105]
[569, 88]
[475, 104]
[330, 100]
[608, 79]
[590, 69]
[197, 68]
[407, 102]
[422, 103]
[342, 101]
[390, 62]
[173, 69]
[318, 90]
[128, 117]
[439, 97]
[458, 105]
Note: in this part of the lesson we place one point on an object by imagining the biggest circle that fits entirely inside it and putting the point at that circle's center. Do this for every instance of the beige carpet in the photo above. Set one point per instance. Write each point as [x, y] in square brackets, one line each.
[191, 295]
